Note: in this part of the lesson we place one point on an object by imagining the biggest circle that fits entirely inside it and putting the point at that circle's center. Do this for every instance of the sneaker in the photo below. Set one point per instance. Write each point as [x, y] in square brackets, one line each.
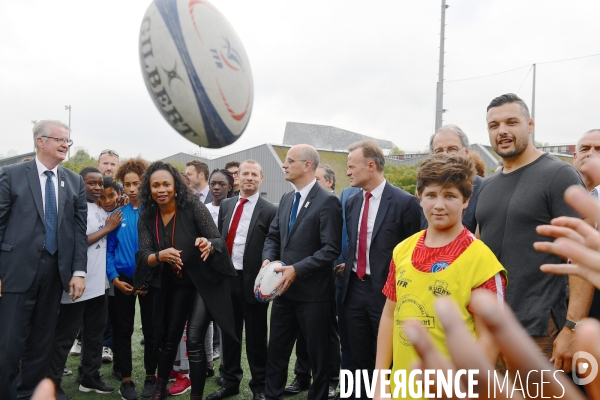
[149, 385]
[96, 385]
[173, 375]
[127, 391]
[107, 355]
[76, 349]
[182, 384]
[67, 372]
[216, 353]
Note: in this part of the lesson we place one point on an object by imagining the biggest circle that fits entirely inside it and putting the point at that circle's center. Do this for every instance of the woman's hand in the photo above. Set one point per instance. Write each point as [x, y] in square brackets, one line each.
[205, 247]
[172, 257]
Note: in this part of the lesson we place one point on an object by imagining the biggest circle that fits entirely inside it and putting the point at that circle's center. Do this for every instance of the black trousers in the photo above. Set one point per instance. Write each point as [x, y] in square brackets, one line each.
[91, 314]
[184, 303]
[254, 315]
[27, 325]
[363, 308]
[302, 366]
[287, 318]
[122, 320]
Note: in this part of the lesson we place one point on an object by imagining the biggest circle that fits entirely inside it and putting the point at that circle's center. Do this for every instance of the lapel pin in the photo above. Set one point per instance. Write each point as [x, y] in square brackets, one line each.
[307, 204]
[62, 183]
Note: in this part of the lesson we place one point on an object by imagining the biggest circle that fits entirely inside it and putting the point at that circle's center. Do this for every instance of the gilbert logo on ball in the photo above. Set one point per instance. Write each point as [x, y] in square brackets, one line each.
[196, 71]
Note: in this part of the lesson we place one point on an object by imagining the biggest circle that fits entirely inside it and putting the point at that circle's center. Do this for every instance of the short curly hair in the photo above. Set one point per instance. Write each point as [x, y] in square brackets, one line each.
[447, 170]
[137, 165]
[184, 196]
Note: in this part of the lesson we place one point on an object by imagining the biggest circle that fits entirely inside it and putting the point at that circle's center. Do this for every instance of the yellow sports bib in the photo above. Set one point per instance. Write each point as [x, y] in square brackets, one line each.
[416, 292]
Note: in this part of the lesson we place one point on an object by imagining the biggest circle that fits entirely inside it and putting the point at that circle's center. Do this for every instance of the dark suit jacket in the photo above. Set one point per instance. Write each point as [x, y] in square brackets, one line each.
[398, 217]
[261, 219]
[22, 230]
[311, 247]
[209, 198]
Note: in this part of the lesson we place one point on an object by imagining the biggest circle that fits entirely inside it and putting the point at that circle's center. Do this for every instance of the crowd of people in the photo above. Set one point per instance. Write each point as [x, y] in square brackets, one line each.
[466, 272]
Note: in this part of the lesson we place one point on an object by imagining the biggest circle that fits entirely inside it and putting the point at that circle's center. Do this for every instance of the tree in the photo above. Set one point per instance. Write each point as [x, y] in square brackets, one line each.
[396, 150]
[79, 161]
[402, 176]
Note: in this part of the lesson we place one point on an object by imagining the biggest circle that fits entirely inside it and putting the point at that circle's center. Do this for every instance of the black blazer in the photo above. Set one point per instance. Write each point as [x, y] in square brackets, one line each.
[311, 247]
[398, 217]
[22, 230]
[263, 215]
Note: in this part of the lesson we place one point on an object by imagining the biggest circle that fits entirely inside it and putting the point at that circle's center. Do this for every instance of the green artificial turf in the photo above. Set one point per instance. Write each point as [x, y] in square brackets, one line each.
[71, 388]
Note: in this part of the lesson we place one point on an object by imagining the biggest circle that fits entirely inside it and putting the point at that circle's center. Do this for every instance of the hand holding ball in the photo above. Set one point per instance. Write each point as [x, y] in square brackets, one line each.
[267, 284]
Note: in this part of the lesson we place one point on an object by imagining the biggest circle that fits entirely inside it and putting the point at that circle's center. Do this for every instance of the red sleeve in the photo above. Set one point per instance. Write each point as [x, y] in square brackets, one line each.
[389, 289]
[492, 286]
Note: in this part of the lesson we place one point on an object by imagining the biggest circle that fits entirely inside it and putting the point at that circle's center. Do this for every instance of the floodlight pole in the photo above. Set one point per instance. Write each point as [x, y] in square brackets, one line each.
[533, 105]
[69, 108]
[439, 102]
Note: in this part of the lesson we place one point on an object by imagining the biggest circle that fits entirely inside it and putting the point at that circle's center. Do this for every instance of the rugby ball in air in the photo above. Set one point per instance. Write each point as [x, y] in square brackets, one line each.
[196, 71]
[266, 284]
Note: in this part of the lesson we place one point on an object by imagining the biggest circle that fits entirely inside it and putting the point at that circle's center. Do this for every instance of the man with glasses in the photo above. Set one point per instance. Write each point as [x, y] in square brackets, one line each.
[43, 252]
[108, 162]
[234, 168]
[450, 139]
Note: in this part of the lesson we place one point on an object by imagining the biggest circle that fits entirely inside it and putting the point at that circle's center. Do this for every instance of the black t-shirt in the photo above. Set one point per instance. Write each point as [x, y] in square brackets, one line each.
[509, 208]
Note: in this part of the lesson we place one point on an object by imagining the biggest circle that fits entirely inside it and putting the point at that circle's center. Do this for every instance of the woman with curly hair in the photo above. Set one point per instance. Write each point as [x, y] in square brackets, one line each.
[120, 266]
[184, 258]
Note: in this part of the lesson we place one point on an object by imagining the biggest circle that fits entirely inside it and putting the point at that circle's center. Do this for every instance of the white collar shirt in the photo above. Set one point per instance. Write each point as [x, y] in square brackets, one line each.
[41, 168]
[374, 202]
[203, 194]
[241, 234]
[303, 194]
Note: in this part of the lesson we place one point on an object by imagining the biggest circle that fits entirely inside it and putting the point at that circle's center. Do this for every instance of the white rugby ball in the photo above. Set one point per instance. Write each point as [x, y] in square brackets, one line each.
[266, 286]
[196, 71]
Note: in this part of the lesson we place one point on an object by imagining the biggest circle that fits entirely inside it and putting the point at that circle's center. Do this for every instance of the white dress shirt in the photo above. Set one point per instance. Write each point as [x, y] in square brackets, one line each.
[374, 202]
[41, 168]
[241, 234]
[203, 194]
[303, 194]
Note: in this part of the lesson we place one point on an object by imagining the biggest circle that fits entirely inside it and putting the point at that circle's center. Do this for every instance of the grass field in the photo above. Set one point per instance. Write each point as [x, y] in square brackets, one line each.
[71, 388]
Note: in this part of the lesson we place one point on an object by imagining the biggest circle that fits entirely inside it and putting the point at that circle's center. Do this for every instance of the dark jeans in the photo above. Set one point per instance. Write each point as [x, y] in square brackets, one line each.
[91, 314]
[122, 320]
[184, 303]
[27, 325]
[254, 316]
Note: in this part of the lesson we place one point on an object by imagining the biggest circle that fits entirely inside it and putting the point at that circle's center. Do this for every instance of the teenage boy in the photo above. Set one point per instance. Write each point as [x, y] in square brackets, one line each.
[89, 311]
[444, 260]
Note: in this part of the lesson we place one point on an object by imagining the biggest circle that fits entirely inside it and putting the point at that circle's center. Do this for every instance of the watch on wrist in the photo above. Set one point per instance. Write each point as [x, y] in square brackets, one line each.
[156, 256]
[571, 324]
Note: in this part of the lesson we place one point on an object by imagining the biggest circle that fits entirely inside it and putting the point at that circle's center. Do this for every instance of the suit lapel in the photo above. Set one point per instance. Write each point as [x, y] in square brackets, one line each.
[36, 189]
[227, 220]
[309, 198]
[62, 193]
[353, 219]
[284, 219]
[254, 218]
[386, 198]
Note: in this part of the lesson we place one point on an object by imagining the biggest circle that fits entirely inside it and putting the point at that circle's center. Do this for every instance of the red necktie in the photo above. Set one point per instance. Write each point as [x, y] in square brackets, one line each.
[234, 225]
[361, 265]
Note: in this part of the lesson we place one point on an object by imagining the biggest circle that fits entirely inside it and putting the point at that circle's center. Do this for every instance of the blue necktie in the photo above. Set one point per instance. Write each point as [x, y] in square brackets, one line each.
[50, 215]
[294, 211]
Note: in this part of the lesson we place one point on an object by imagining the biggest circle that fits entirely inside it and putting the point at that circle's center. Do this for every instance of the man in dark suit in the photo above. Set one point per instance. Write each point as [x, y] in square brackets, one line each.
[43, 251]
[376, 220]
[244, 222]
[197, 173]
[306, 236]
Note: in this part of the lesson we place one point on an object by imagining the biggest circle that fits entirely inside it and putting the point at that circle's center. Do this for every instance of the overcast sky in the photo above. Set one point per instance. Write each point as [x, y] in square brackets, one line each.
[368, 67]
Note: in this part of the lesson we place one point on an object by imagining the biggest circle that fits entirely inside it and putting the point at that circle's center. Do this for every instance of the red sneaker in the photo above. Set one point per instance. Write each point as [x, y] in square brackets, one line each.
[173, 375]
[182, 384]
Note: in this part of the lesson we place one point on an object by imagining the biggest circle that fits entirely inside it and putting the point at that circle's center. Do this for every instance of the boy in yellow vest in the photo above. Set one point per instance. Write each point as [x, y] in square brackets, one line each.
[444, 260]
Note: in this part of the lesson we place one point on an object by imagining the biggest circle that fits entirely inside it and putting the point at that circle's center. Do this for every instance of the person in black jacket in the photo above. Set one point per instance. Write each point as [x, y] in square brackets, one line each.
[183, 255]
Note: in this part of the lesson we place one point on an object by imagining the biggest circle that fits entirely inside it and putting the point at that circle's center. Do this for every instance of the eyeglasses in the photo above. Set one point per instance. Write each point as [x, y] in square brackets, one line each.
[235, 173]
[290, 161]
[448, 150]
[111, 152]
[60, 141]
